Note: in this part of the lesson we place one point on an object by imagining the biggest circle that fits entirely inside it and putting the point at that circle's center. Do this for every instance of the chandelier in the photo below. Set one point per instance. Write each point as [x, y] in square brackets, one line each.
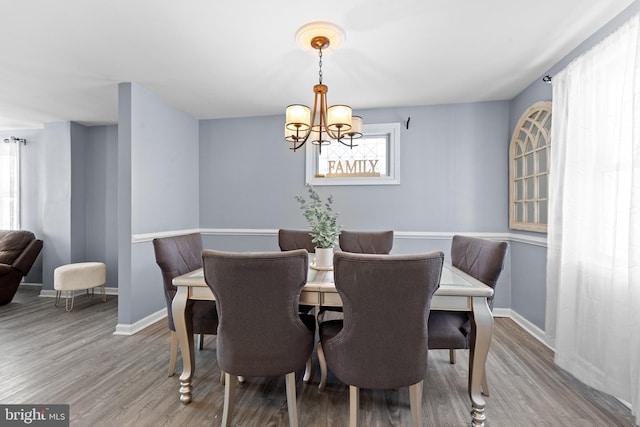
[325, 123]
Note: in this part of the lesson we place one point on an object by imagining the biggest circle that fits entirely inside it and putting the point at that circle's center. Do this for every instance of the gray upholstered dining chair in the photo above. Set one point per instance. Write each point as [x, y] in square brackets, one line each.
[178, 255]
[289, 240]
[366, 242]
[261, 333]
[482, 259]
[360, 242]
[382, 341]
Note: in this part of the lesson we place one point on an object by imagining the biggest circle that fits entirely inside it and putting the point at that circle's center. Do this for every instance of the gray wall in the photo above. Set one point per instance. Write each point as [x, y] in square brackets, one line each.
[101, 175]
[57, 212]
[453, 173]
[78, 197]
[158, 191]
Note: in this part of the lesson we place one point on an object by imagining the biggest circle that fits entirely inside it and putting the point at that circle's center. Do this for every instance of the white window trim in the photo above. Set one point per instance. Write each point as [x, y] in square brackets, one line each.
[393, 178]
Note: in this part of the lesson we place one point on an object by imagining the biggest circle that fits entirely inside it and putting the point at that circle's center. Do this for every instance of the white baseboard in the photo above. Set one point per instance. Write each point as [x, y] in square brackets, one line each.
[501, 312]
[132, 328]
[532, 329]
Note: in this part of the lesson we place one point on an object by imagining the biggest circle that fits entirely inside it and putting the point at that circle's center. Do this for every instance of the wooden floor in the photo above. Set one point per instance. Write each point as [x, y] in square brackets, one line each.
[49, 356]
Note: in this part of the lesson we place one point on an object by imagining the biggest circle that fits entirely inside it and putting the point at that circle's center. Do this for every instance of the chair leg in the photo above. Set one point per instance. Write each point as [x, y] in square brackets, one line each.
[200, 341]
[452, 356]
[57, 302]
[221, 377]
[174, 353]
[291, 399]
[229, 391]
[103, 294]
[307, 372]
[354, 405]
[415, 402]
[323, 368]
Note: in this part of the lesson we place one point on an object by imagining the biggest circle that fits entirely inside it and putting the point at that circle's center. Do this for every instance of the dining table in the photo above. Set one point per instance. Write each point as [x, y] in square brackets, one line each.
[458, 291]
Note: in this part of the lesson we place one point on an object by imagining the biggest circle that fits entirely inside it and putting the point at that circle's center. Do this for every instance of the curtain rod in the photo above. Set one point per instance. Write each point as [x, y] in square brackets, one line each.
[14, 139]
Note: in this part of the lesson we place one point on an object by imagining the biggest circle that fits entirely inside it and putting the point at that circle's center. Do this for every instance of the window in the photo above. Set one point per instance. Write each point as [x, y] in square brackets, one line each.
[374, 159]
[9, 185]
[529, 169]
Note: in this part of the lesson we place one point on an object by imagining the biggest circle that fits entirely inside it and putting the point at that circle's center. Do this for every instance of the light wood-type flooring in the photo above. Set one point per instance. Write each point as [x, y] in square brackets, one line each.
[50, 356]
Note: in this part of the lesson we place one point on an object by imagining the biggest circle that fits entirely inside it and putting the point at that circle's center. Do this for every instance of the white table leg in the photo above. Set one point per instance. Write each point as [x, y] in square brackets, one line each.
[479, 348]
[180, 309]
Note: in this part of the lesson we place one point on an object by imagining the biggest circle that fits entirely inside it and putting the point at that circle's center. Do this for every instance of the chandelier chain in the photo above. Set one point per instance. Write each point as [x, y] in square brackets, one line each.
[320, 66]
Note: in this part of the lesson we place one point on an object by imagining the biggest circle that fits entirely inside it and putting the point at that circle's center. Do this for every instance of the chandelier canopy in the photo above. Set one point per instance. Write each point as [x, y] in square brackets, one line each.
[325, 123]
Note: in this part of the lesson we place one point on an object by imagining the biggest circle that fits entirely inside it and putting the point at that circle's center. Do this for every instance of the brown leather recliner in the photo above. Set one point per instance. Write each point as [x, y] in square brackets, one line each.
[18, 251]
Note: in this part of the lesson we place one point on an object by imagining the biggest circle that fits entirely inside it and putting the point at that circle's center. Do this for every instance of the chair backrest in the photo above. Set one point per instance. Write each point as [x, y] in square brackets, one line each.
[18, 251]
[13, 243]
[176, 255]
[480, 258]
[386, 300]
[259, 332]
[289, 240]
[366, 242]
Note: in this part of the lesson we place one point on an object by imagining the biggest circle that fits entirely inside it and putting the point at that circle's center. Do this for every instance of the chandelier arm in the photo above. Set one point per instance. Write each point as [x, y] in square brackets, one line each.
[323, 110]
[315, 110]
[323, 119]
[298, 139]
[323, 115]
[350, 144]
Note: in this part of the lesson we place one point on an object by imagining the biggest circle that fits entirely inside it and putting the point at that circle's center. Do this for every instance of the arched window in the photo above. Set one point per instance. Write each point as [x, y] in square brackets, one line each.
[529, 169]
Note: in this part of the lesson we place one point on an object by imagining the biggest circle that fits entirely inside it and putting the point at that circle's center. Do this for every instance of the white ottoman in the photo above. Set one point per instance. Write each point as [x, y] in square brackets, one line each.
[79, 276]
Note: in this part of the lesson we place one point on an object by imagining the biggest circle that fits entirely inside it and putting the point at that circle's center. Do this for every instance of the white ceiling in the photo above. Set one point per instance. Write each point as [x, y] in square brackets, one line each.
[62, 60]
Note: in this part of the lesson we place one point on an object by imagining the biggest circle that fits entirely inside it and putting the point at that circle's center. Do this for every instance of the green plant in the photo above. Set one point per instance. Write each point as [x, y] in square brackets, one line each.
[321, 218]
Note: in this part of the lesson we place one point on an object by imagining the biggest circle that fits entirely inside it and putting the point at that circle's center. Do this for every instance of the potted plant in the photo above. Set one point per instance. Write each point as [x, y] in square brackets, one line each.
[323, 222]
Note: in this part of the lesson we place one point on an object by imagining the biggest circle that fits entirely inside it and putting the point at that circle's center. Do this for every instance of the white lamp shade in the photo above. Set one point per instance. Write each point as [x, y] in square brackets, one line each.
[339, 117]
[356, 125]
[298, 116]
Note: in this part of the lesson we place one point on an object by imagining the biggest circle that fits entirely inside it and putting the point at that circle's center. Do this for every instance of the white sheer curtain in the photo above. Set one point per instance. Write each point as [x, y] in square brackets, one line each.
[9, 185]
[593, 262]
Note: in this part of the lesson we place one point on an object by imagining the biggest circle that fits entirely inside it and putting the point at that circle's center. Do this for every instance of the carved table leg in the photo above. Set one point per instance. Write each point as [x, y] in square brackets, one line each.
[184, 330]
[479, 348]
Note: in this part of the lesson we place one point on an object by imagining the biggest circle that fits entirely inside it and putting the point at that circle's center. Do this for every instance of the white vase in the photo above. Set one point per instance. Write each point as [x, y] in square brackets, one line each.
[324, 257]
